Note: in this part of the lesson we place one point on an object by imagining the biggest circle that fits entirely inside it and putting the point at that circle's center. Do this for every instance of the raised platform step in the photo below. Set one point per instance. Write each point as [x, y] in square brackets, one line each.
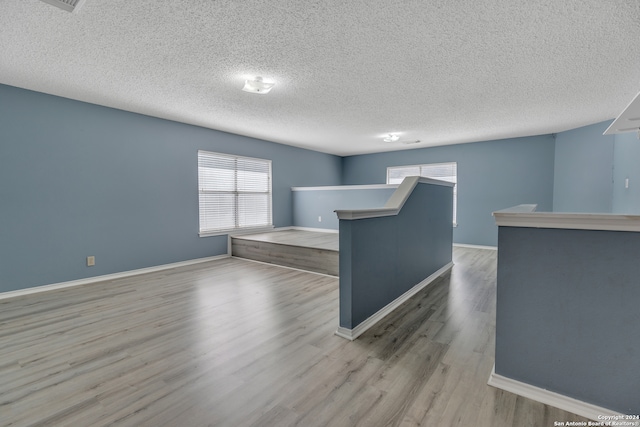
[306, 250]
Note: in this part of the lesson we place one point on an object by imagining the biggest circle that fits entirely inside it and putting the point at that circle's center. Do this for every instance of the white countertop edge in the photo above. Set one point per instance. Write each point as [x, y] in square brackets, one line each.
[573, 221]
[517, 209]
[395, 202]
[346, 187]
[366, 213]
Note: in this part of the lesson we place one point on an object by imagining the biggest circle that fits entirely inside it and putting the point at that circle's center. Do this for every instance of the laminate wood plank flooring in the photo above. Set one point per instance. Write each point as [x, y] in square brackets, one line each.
[238, 343]
[303, 249]
[302, 238]
[305, 258]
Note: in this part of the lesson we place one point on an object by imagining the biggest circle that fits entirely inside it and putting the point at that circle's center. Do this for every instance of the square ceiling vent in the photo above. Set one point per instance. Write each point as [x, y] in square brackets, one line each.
[68, 5]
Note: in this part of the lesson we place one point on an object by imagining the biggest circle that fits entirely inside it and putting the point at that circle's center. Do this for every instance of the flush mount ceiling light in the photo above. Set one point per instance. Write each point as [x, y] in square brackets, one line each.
[395, 138]
[68, 5]
[627, 120]
[392, 137]
[257, 85]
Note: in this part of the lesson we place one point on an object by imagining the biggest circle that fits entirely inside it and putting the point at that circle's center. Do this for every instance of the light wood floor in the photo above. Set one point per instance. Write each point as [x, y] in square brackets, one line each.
[302, 238]
[238, 343]
[303, 249]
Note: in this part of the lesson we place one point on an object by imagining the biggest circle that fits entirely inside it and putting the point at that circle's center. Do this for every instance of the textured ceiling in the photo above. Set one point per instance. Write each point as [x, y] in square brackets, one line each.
[346, 72]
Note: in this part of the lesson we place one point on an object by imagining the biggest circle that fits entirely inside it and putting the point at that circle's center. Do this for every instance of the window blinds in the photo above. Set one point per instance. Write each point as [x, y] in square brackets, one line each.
[442, 171]
[234, 192]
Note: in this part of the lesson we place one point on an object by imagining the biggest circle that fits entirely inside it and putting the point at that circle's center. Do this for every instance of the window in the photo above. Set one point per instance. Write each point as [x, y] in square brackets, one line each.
[235, 192]
[442, 171]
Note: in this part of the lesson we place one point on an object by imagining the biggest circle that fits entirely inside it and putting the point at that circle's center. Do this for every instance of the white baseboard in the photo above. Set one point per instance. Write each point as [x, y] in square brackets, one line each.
[352, 334]
[89, 280]
[551, 398]
[464, 245]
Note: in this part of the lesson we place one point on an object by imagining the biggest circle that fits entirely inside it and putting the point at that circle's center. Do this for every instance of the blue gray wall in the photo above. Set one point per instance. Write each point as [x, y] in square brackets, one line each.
[626, 160]
[567, 313]
[583, 174]
[78, 179]
[492, 175]
[382, 258]
[310, 205]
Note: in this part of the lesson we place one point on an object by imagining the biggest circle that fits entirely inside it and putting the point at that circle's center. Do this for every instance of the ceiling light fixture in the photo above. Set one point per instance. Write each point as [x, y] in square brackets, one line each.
[68, 5]
[392, 137]
[257, 85]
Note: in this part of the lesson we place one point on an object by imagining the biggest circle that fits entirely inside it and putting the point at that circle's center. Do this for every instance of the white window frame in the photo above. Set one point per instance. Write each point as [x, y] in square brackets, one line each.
[424, 172]
[236, 192]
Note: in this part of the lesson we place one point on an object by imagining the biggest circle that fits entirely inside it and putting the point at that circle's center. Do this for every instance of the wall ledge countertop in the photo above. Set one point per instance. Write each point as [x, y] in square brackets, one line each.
[526, 216]
[346, 187]
[395, 202]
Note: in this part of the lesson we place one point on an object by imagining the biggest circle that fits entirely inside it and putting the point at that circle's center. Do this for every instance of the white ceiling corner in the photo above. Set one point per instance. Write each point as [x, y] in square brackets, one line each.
[346, 73]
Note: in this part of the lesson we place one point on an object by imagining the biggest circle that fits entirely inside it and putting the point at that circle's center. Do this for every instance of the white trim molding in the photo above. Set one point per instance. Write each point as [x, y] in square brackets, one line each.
[113, 276]
[550, 398]
[352, 334]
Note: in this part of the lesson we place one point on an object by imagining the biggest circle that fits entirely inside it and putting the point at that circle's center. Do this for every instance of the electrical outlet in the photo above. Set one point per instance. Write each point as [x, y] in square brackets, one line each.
[319, 219]
[91, 261]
